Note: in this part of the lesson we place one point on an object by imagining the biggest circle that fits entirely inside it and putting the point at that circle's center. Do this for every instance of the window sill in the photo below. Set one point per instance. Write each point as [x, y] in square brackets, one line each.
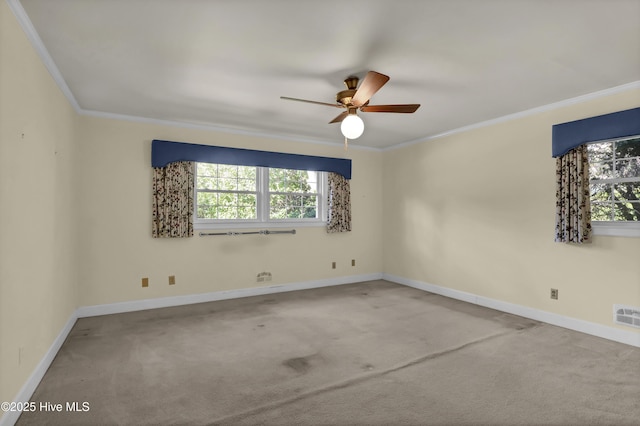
[260, 225]
[616, 229]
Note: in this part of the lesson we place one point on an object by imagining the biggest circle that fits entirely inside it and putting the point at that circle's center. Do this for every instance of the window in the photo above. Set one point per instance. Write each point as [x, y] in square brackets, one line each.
[614, 173]
[246, 196]
[225, 192]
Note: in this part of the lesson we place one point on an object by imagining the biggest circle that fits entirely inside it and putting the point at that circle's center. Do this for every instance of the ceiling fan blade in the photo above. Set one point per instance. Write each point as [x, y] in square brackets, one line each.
[406, 108]
[372, 82]
[312, 102]
[339, 118]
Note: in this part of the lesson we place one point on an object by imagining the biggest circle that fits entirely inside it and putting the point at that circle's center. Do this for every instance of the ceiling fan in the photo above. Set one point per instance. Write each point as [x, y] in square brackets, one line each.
[356, 98]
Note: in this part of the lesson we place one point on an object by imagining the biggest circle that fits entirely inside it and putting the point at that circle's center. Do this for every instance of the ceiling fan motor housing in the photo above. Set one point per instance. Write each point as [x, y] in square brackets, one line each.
[344, 97]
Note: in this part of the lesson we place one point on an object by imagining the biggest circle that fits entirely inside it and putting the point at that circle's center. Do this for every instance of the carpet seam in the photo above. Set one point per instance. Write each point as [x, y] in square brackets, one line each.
[356, 380]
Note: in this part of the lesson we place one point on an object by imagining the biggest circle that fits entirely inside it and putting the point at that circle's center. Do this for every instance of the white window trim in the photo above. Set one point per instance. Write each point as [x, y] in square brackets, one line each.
[263, 221]
[615, 228]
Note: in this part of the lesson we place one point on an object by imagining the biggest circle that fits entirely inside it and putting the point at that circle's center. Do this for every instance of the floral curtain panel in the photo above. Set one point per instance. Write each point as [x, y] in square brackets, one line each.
[573, 207]
[339, 204]
[173, 200]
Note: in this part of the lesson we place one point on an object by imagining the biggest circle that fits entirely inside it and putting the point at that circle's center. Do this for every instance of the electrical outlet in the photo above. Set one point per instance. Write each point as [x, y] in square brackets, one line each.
[172, 279]
[554, 293]
[333, 265]
[353, 262]
[145, 282]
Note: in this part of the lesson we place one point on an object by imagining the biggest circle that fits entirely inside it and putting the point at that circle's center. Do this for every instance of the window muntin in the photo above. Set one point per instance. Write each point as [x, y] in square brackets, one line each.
[239, 196]
[614, 173]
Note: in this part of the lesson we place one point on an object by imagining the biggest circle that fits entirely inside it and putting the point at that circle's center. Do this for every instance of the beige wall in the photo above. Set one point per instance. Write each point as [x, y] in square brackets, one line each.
[38, 208]
[474, 212]
[115, 218]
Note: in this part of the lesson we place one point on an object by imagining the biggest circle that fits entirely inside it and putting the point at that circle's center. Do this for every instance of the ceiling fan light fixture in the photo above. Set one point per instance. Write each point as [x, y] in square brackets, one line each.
[356, 98]
[352, 126]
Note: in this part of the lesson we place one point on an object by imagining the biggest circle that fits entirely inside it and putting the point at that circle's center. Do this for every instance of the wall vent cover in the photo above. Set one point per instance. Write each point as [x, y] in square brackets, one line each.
[626, 315]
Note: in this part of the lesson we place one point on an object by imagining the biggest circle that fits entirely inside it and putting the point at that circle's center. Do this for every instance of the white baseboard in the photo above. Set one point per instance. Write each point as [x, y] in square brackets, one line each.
[599, 330]
[11, 417]
[164, 302]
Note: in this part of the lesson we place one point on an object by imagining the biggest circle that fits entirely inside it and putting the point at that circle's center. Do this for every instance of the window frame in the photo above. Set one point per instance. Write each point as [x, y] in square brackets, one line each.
[263, 206]
[614, 228]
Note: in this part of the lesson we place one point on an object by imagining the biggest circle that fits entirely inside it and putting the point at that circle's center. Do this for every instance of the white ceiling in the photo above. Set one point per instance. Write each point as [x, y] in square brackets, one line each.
[225, 63]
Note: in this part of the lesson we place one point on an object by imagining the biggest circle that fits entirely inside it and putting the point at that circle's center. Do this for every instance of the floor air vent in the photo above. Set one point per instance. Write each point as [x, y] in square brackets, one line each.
[626, 315]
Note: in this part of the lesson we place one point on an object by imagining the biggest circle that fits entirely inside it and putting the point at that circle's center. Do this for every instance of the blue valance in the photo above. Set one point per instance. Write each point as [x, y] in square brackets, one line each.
[165, 152]
[567, 136]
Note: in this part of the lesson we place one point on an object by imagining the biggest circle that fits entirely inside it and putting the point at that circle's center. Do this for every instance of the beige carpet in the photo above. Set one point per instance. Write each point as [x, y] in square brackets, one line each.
[373, 353]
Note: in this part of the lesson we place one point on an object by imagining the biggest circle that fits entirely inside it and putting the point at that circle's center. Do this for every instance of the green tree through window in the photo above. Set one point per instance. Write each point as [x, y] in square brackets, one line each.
[226, 192]
[293, 194]
[242, 193]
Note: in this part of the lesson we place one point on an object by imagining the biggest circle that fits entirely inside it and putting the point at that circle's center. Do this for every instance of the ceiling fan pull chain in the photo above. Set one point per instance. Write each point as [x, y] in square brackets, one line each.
[346, 144]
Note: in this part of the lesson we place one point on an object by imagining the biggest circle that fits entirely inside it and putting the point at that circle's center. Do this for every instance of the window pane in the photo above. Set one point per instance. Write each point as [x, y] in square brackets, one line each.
[601, 211]
[226, 212]
[312, 180]
[600, 151]
[628, 148]
[603, 170]
[206, 176]
[227, 171]
[246, 212]
[247, 184]
[205, 169]
[627, 211]
[308, 200]
[628, 168]
[283, 206]
[627, 191]
[277, 180]
[310, 212]
[284, 180]
[207, 205]
[601, 191]
[206, 182]
[278, 206]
